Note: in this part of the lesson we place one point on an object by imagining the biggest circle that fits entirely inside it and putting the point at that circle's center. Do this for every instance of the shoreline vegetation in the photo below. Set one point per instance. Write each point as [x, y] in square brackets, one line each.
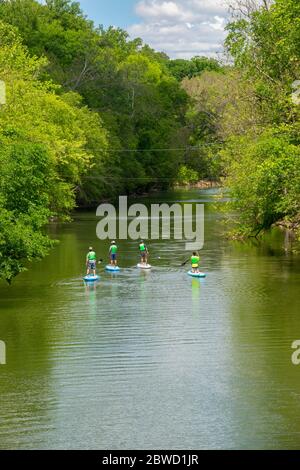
[89, 113]
[292, 226]
[201, 184]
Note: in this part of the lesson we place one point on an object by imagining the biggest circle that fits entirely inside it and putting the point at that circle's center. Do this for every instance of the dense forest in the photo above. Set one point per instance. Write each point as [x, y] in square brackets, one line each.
[91, 113]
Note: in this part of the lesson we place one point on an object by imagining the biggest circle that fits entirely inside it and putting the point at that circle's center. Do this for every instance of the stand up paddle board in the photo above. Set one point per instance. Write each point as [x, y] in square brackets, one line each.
[112, 269]
[144, 266]
[190, 273]
[91, 278]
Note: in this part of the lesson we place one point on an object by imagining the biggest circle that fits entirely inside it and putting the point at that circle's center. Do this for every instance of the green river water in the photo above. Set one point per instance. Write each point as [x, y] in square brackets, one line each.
[153, 360]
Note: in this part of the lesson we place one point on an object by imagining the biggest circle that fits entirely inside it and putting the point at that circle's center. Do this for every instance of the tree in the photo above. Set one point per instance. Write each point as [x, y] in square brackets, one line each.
[182, 68]
[263, 167]
[127, 83]
[46, 148]
[221, 106]
[264, 181]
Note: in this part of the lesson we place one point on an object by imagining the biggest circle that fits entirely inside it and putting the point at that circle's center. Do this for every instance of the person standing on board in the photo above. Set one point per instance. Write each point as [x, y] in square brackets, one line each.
[195, 260]
[91, 259]
[113, 251]
[143, 252]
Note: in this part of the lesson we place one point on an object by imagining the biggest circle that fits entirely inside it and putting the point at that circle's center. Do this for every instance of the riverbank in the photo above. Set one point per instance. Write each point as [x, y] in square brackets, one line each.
[202, 184]
[292, 226]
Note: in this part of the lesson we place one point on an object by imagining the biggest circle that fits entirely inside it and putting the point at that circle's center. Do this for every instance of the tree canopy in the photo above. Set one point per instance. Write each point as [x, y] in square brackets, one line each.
[250, 116]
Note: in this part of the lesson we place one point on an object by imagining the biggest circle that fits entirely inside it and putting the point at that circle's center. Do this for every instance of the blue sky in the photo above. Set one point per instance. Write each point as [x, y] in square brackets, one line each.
[181, 28]
[111, 12]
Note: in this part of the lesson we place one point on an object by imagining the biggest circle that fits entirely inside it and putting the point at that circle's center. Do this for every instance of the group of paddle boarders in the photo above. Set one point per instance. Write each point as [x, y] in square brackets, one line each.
[91, 259]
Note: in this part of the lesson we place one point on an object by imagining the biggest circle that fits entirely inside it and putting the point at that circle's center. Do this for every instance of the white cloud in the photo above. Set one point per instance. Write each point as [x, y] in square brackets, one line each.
[160, 10]
[182, 28]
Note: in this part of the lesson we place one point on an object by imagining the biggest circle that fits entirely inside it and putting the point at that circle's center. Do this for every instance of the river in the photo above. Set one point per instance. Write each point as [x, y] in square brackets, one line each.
[153, 360]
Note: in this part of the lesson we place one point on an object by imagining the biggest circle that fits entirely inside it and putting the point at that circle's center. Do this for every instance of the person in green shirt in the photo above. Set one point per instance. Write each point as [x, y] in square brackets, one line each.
[113, 252]
[143, 252]
[91, 260]
[195, 260]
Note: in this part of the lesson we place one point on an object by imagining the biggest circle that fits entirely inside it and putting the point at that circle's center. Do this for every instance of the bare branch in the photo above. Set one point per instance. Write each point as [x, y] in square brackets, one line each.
[245, 8]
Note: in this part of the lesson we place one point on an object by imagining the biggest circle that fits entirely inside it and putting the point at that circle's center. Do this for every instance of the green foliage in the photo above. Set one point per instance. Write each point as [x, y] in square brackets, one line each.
[187, 175]
[263, 163]
[128, 84]
[264, 179]
[219, 108]
[25, 185]
[46, 147]
[182, 68]
[267, 51]
[104, 109]
[91, 114]
[244, 121]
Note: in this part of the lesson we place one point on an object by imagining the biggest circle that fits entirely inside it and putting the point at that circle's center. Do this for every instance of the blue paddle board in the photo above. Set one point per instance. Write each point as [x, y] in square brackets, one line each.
[112, 269]
[91, 278]
[190, 273]
[144, 266]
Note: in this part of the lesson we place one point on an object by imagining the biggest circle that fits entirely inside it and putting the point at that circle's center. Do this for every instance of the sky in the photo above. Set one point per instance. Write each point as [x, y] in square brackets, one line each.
[181, 28]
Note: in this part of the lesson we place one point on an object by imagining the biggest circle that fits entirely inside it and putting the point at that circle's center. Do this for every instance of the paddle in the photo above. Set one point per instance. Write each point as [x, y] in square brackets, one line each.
[183, 264]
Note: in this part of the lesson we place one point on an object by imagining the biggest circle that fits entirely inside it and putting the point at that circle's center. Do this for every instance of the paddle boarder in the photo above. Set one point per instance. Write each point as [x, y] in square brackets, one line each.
[143, 252]
[113, 252]
[195, 260]
[91, 259]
